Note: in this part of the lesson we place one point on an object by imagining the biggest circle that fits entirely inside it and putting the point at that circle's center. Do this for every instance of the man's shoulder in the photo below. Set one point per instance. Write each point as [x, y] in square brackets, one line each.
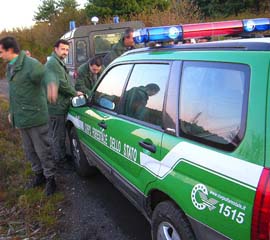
[140, 91]
[30, 62]
[51, 60]
[52, 64]
[119, 45]
[33, 61]
[84, 67]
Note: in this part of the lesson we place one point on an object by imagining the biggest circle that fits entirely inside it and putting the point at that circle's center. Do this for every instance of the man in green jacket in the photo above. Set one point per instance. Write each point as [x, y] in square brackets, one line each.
[125, 43]
[88, 73]
[56, 72]
[28, 111]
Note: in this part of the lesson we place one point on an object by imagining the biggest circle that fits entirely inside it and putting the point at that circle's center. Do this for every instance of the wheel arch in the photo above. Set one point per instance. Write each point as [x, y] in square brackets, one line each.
[69, 125]
[155, 197]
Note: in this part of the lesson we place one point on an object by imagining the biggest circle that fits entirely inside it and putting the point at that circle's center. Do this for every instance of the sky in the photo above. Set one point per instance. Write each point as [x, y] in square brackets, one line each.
[20, 13]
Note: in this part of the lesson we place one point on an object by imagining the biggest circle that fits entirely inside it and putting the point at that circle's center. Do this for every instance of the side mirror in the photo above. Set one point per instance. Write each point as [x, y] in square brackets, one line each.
[106, 103]
[78, 101]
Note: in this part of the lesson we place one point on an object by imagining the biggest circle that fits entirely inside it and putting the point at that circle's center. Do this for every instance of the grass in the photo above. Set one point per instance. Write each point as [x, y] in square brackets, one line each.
[24, 214]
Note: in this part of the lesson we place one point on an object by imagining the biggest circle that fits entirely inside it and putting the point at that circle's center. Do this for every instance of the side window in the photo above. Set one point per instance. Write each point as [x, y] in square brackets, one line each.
[69, 58]
[212, 103]
[108, 93]
[81, 51]
[144, 95]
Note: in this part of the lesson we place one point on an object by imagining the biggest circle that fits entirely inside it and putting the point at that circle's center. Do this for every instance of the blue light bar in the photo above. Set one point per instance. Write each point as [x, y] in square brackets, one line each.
[187, 31]
[158, 34]
[257, 24]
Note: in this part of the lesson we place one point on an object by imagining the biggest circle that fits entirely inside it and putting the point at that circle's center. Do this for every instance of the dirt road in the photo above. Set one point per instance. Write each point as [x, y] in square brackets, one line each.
[95, 210]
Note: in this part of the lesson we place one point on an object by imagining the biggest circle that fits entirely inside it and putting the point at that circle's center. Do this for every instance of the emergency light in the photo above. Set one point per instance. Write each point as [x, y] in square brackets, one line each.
[198, 30]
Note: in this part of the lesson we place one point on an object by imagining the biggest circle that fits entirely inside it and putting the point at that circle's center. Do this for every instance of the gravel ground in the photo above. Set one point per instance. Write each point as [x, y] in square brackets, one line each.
[95, 210]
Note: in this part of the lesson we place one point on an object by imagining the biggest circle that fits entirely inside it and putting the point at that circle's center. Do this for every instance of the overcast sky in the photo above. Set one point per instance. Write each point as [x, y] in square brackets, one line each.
[20, 13]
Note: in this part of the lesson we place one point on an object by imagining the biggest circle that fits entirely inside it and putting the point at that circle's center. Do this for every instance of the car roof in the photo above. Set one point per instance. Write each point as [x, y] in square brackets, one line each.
[249, 44]
[84, 31]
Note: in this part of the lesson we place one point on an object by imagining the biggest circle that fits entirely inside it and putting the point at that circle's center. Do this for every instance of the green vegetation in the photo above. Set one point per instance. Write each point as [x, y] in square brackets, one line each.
[23, 214]
[107, 8]
[218, 8]
[49, 9]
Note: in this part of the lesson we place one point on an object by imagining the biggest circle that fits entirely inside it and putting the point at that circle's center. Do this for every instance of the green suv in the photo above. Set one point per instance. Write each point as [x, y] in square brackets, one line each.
[184, 132]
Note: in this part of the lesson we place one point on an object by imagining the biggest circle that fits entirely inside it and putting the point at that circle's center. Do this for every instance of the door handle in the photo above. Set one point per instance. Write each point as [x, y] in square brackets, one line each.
[149, 146]
[102, 124]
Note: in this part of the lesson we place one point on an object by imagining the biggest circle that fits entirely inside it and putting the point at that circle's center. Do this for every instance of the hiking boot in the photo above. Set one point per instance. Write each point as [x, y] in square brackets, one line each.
[50, 186]
[36, 181]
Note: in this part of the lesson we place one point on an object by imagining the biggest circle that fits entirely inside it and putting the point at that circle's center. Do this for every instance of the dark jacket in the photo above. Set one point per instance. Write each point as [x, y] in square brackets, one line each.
[117, 50]
[135, 101]
[86, 79]
[56, 71]
[28, 102]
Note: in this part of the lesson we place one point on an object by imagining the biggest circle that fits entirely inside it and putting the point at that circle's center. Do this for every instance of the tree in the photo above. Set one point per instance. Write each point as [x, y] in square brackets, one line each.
[236, 7]
[179, 12]
[46, 11]
[66, 4]
[217, 8]
[49, 9]
[127, 8]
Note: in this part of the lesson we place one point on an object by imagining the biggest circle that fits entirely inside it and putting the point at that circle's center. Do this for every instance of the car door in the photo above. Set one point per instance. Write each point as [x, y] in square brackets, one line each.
[96, 129]
[139, 125]
[133, 133]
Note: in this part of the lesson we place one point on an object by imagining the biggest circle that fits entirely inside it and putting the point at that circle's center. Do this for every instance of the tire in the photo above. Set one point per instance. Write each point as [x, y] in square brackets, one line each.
[170, 223]
[80, 162]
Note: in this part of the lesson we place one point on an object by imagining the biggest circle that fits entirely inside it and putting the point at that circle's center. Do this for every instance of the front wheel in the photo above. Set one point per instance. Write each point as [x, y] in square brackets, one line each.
[170, 223]
[81, 164]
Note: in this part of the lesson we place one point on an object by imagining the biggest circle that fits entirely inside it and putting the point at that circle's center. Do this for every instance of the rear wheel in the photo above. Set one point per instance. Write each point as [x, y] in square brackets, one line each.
[170, 223]
[81, 164]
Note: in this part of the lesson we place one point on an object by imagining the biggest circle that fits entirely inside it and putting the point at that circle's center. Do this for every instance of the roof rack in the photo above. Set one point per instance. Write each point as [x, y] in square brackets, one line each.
[187, 31]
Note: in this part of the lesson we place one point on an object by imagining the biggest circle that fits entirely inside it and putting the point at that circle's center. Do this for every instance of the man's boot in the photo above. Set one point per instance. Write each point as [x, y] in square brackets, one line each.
[50, 186]
[36, 181]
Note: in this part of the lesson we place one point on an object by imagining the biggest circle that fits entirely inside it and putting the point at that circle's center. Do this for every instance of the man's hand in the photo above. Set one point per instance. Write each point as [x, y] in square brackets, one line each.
[52, 92]
[78, 93]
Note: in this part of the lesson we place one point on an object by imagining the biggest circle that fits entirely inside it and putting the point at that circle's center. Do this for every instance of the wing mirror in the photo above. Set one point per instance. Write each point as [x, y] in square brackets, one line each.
[79, 101]
[106, 103]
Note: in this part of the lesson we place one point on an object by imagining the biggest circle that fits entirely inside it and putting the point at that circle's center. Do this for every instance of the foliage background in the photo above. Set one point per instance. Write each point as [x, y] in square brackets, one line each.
[53, 16]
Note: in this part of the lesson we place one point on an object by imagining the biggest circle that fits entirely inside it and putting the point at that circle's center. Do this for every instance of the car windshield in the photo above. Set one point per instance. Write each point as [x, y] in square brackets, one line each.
[104, 42]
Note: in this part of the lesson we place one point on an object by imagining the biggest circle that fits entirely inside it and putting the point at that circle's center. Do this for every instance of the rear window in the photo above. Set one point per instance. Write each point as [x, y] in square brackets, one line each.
[213, 103]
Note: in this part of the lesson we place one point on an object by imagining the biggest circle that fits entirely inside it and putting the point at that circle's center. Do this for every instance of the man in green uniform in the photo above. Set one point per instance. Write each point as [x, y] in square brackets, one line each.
[28, 111]
[136, 99]
[88, 73]
[56, 72]
[125, 43]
